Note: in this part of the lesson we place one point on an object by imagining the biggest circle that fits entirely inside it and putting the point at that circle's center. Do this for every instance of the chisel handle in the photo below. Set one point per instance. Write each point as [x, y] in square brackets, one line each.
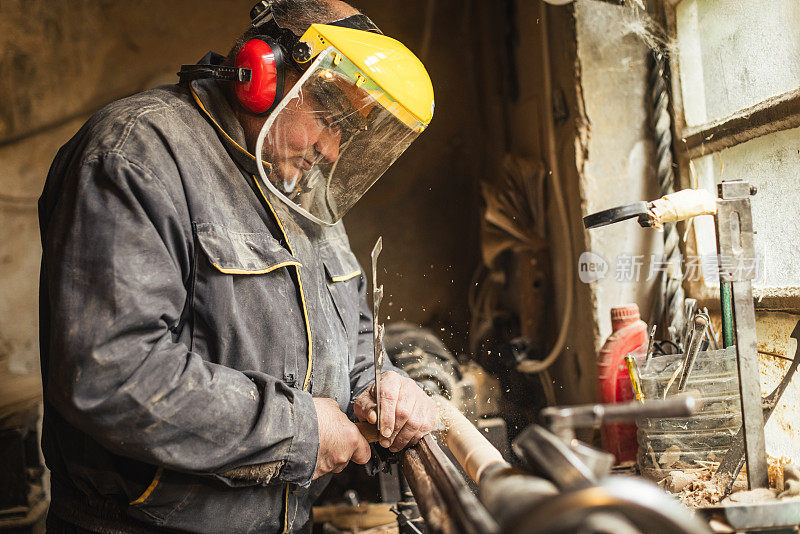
[370, 432]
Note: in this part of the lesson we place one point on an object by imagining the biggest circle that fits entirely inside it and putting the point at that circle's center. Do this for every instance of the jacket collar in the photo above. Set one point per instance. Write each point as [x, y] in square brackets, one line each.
[210, 99]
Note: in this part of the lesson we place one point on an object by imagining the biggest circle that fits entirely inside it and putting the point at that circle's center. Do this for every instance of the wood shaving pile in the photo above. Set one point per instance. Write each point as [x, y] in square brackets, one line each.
[694, 488]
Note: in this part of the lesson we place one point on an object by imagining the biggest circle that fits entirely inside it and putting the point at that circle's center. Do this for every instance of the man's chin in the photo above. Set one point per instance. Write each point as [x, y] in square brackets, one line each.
[286, 179]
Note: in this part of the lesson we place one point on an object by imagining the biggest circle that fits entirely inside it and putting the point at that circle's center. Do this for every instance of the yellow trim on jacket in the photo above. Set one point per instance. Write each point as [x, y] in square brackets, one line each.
[346, 277]
[156, 478]
[257, 271]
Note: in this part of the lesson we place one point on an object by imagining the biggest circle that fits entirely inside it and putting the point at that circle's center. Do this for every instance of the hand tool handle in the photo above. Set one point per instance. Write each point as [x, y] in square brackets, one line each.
[682, 205]
[369, 431]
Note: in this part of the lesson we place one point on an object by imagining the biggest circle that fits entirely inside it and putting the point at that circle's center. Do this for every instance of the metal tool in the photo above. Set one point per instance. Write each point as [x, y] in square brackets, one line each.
[404, 522]
[614, 215]
[455, 491]
[564, 420]
[444, 496]
[689, 311]
[696, 337]
[571, 464]
[757, 516]
[617, 504]
[733, 461]
[734, 225]
[712, 333]
[651, 342]
[581, 474]
[377, 329]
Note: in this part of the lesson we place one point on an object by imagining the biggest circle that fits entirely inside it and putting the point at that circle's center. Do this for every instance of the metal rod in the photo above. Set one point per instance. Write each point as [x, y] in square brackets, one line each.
[696, 336]
[727, 314]
[733, 461]
[452, 496]
[462, 504]
[563, 420]
[650, 344]
[408, 516]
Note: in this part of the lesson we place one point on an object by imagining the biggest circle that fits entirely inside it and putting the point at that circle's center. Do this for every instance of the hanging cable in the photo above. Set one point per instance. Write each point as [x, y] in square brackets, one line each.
[537, 366]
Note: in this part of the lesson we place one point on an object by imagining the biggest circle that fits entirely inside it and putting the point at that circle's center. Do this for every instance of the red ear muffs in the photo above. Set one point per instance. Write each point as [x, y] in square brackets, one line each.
[264, 58]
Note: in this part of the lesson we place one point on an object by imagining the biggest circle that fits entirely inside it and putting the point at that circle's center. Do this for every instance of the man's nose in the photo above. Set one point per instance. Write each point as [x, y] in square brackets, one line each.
[328, 144]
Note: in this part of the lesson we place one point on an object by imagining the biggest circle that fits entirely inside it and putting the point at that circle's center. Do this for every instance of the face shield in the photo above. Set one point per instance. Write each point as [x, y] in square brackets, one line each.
[337, 130]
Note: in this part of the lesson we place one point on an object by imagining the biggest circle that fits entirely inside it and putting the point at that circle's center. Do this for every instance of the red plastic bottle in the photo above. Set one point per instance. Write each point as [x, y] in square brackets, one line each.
[628, 332]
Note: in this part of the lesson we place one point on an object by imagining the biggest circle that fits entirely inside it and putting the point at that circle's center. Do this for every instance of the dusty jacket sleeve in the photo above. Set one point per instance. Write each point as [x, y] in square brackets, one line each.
[117, 255]
[362, 374]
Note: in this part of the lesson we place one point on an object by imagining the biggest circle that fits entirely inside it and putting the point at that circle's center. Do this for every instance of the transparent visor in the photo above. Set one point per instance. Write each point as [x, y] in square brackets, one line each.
[331, 137]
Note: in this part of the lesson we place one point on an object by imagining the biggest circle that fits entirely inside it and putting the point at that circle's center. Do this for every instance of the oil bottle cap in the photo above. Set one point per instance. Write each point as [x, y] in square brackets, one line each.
[624, 315]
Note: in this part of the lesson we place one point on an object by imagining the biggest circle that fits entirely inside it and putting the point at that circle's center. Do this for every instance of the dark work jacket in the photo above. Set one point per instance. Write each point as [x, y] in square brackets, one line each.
[187, 317]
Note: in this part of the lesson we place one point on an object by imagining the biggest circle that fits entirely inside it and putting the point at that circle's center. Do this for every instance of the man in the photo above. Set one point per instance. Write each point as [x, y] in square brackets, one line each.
[204, 327]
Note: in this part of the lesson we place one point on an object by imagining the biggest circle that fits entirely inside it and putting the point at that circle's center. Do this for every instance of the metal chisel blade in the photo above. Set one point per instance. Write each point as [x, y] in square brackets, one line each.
[377, 328]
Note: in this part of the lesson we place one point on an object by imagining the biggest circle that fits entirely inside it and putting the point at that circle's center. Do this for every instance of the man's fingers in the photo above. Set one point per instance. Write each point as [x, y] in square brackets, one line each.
[406, 407]
[422, 421]
[362, 453]
[403, 409]
[390, 389]
[406, 434]
[364, 408]
[339, 468]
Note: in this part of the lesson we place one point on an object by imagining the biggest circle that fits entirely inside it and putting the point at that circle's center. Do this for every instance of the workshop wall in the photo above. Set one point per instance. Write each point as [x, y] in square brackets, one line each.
[60, 61]
[604, 154]
[619, 167]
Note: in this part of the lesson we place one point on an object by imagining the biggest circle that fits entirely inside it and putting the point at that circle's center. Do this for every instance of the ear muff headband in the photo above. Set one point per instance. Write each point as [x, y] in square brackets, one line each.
[259, 67]
[264, 58]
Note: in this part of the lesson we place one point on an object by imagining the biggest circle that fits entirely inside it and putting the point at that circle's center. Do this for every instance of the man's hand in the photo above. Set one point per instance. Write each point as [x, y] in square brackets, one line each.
[339, 439]
[407, 413]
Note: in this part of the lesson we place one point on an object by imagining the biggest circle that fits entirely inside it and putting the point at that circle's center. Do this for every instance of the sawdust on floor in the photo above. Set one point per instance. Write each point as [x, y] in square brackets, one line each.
[694, 487]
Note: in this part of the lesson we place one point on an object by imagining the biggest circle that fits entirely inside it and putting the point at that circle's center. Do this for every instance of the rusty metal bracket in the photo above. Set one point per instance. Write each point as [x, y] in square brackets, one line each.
[734, 222]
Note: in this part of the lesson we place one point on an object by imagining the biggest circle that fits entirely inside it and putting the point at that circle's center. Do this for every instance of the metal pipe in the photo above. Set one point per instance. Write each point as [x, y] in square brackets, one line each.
[563, 421]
